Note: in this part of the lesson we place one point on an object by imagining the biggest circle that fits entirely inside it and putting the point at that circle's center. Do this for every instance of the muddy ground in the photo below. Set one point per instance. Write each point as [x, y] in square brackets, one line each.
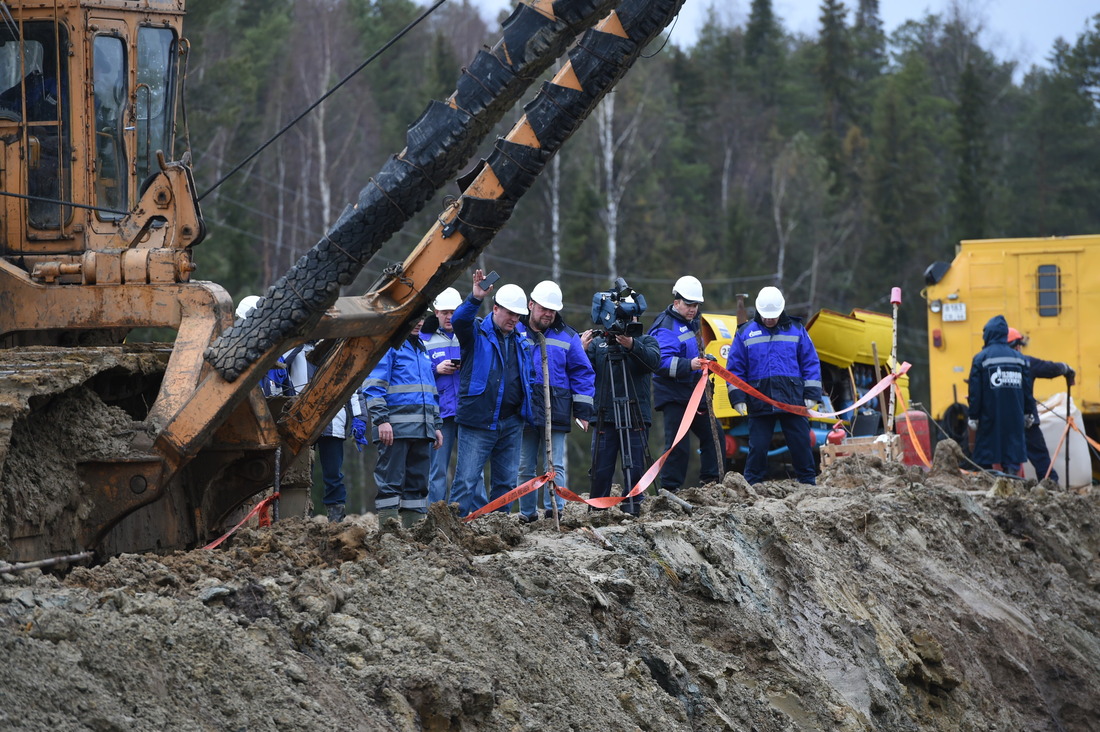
[883, 599]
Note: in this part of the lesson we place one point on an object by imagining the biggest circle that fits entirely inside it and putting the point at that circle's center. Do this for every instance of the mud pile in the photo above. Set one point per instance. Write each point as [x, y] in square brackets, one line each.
[884, 599]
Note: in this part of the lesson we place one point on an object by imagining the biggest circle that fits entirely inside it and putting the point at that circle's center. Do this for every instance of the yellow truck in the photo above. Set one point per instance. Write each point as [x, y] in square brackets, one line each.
[1047, 288]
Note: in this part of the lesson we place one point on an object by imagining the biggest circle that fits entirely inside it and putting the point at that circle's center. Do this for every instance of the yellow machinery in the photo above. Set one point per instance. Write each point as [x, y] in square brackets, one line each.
[1048, 289]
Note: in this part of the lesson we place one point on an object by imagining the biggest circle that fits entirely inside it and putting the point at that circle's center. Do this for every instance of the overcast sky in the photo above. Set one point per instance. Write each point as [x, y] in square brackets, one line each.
[1023, 30]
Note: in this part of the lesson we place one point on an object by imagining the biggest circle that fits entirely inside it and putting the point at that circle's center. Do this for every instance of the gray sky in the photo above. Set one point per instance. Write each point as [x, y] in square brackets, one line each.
[1023, 30]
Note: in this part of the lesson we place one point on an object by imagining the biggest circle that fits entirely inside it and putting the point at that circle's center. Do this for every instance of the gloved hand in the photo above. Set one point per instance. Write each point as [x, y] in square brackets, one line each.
[359, 432]
[741, 408]
[1071, 376]
[1030, 421]
[810, 403]
[972, 424]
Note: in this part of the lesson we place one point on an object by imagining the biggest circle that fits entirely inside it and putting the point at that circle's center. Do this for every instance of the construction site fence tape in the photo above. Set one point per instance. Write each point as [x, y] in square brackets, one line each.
[263, 505]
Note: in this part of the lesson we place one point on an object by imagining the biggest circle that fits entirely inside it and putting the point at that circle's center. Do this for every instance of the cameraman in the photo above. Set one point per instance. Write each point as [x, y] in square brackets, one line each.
[613, 356]
[681, 367]
[571, 394]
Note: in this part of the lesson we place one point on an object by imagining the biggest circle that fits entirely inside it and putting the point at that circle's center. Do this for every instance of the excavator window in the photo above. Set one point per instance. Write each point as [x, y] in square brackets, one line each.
[156, 49]
[109, 90]
[35, 93]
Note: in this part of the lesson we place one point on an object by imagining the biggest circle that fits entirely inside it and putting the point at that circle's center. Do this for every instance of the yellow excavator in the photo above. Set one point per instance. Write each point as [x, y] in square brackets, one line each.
[99, 235]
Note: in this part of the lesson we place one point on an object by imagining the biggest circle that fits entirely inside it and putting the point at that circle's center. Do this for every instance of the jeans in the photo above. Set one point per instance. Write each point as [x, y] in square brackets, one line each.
[401, 475]
[796, 431]
[532, 462]
[500, 448]
[605, 456]
[675, 468]
[330, 453]
[441, 462]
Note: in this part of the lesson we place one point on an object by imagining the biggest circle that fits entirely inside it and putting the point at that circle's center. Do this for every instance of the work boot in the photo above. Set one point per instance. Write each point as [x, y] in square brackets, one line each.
[336, 513]
[386, 514]
[410, 519]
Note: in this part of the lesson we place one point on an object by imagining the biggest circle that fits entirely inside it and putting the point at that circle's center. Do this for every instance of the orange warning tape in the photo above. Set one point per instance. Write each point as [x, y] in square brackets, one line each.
[261, 506]
[912, 436]
[685, 424]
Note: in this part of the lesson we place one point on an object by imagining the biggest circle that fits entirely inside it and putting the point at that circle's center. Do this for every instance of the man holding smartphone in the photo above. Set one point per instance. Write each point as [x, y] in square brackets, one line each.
[439, 338]
[494, 395]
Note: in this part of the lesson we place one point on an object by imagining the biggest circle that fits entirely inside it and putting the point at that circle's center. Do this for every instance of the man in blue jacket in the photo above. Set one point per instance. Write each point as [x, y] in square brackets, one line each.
[773, 353]
[443, 349]
[404, 411]
[572, 389]
[494, 397]
[676, 330]
[999, 400]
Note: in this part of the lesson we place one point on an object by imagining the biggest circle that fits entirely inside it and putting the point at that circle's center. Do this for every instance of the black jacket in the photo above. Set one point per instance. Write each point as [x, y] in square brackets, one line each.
[640, 362]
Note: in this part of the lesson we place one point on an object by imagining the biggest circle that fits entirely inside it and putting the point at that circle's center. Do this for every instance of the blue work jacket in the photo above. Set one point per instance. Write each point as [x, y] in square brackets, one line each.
[442, 347]
[781, 363]
[572, 380]
[401, 391]
[674, 380]
[1000, 396]
[481, 383]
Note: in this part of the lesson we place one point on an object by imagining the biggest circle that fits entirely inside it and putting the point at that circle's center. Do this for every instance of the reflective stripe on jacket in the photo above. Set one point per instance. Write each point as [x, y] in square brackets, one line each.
[401, 390]
[444, 347]
[780, 363]
[481, 386]
[674, 378]
[572, 380]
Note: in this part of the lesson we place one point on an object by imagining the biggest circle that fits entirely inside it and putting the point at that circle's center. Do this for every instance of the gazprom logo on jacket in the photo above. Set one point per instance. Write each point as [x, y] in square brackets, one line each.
[755, 332]
[1001, 379]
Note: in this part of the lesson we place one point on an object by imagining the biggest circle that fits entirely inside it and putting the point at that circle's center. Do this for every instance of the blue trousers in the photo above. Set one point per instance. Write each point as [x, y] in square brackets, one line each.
[500, 448]
[441, 462]
[796, 431]
[531, 463]
[401, 475]
[330, 453]
[606, 452]
[675, 467]
[1037, 452]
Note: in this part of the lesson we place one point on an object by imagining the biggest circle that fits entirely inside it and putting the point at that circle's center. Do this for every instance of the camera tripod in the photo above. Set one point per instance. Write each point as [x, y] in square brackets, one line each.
[626, 418]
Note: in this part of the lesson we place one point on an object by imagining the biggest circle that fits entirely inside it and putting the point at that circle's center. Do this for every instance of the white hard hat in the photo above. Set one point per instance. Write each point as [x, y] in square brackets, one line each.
[511, 297]
[247, 305]
[688, 288]
[770, 302]
[547, 294]
[449, 299]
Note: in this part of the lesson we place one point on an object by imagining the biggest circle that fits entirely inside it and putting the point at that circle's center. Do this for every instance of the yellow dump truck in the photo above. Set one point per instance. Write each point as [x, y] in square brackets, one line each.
[1048, 289]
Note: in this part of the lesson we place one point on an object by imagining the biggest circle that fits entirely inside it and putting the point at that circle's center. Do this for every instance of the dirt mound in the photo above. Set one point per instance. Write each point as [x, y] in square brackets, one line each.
[883, 598]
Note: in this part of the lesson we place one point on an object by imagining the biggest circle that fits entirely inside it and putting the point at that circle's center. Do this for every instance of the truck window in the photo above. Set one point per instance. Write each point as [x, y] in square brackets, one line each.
[109, 88]
[155, 50]
[1048, 290]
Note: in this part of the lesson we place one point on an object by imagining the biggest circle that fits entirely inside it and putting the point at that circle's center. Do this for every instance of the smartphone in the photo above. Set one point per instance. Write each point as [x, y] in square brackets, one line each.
[456, 362]
[489, 281]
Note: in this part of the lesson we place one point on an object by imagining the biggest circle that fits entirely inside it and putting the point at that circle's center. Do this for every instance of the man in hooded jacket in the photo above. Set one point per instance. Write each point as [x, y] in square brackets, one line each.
[999, 401]
[1037, 452]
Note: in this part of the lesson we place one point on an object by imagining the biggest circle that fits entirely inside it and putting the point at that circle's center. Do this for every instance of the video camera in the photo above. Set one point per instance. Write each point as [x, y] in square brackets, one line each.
[613, 311]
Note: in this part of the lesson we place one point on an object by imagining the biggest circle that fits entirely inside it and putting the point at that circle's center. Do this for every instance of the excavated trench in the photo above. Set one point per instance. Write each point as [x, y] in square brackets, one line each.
[883, 599]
